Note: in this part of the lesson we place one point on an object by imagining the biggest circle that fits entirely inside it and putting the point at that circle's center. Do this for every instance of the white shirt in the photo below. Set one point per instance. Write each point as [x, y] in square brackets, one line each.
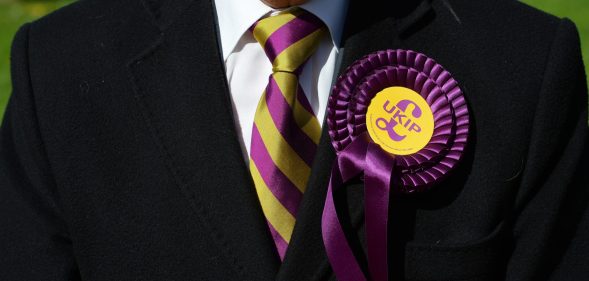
[248, 67]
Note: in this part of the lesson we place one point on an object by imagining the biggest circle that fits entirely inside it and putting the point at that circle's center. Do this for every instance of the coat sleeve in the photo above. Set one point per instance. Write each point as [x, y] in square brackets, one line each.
[550, 221]
[34, 241]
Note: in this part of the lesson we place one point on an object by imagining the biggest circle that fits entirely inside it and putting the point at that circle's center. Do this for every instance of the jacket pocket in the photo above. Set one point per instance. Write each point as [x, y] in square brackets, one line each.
[481, 260]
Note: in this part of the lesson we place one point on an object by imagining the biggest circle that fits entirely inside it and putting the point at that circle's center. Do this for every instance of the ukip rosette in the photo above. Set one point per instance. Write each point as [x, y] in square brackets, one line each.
[399, 120]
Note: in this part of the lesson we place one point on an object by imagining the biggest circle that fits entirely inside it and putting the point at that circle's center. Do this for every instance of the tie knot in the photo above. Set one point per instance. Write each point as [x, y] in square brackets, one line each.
[289, 38]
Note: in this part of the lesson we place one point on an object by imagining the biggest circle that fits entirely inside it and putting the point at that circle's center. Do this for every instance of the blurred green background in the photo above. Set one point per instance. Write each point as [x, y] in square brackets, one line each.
[14, 13]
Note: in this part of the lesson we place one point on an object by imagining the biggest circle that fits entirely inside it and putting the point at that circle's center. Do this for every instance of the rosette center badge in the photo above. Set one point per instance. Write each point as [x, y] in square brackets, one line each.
[400, 121]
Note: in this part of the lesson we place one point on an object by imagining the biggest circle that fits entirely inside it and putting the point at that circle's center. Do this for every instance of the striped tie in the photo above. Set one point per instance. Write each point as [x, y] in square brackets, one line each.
[285, 132]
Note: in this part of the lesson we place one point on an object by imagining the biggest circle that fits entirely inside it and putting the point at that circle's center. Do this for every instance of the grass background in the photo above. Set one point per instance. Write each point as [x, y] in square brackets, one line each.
[14, 13]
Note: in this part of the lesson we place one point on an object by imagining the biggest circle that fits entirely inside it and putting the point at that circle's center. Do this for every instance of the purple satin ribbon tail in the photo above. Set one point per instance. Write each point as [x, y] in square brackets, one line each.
[349, 164]
[377, 183]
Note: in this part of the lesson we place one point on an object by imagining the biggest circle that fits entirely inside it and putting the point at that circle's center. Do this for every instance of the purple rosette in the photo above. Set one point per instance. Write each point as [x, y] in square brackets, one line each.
[384, 173]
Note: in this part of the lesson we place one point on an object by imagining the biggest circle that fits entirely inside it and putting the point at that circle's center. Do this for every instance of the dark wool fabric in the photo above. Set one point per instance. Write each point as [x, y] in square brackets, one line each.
[119, 157]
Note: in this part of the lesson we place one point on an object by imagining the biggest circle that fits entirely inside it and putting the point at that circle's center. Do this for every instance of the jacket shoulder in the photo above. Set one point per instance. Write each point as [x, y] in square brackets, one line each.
[507, 8]
[90, 37]
[89, 27]
[504, 15]
[87, 16]
[520, 38]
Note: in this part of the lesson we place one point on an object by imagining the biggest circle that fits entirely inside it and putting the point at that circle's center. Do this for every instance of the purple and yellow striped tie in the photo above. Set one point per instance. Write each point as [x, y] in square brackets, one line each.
[286, 131]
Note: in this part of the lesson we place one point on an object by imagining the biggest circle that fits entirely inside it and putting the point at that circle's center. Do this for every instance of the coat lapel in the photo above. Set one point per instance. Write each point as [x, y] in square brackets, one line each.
[306, 258]
[182, 90]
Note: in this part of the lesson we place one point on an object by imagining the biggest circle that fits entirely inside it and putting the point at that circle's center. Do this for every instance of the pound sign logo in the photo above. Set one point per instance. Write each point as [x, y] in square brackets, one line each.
[400, 121]
[399, 118]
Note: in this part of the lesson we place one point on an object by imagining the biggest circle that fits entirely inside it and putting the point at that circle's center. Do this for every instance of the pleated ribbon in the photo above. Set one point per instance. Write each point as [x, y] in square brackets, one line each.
[385, 174]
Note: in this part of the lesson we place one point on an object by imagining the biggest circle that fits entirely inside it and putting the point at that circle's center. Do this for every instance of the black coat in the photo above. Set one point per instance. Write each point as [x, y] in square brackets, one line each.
[119, 157]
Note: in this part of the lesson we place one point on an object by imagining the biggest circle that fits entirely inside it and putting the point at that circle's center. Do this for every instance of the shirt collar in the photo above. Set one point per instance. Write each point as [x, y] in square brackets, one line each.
[236, 16]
